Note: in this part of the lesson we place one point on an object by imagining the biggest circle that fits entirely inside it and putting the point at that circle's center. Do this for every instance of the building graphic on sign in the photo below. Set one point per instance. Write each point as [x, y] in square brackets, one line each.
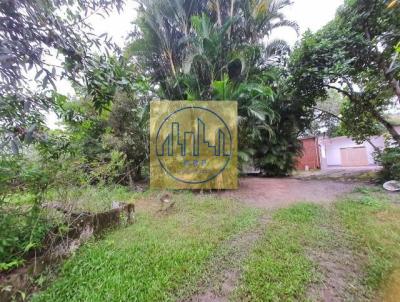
[185, 143]
[193, 144]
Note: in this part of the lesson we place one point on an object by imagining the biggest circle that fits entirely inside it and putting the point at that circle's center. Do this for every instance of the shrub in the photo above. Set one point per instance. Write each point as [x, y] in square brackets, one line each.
[389, 159]
[22, 223]
[21, 231]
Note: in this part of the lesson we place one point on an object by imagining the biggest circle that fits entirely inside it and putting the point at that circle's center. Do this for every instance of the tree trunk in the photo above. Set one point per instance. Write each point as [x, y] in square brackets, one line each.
[377, 150]
[231, 16]
[171, 62]
[390, 128]
[219, 19]
[396, 88]
[130, 179]
[138, 172]
[389, 74]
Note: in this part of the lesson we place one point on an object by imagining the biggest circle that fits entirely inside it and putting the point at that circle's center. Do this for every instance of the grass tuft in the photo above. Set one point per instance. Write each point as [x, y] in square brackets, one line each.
[375, 225]
[279, 269]
[152, 259]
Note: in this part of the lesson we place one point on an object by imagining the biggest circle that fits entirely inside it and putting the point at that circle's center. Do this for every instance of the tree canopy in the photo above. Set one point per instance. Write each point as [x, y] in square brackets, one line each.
[355, 55]
[42, 42]
[220, 50]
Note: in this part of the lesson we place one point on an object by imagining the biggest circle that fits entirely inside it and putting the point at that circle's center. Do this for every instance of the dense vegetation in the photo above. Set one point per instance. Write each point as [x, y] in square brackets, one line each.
[177, 50]
[216, 50]
[389, 159]
[355, 54]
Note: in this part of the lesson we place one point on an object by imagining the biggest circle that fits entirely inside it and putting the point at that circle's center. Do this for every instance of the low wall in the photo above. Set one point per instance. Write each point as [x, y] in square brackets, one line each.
[82, 226]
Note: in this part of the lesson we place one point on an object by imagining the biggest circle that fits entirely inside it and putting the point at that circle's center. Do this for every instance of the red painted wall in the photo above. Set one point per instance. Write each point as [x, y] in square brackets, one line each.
[310, 156]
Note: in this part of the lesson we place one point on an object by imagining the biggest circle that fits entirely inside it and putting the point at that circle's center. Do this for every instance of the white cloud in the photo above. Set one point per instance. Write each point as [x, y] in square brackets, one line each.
[116, 25]
[309, 14]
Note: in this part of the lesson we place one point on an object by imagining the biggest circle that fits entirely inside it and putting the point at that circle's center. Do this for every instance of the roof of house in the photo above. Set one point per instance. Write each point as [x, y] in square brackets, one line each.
[307, 137]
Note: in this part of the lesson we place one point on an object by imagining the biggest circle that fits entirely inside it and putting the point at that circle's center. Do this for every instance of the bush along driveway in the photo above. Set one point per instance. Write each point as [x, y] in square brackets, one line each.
[206, 248]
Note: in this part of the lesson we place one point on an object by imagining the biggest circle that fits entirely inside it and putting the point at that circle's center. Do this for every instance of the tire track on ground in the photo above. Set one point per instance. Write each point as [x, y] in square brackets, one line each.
[224, 271]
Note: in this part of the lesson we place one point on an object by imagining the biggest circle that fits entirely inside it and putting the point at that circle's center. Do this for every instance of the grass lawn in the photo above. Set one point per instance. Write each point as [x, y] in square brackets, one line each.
[281, 269]
[375, 226]
[153, 259]
[162, 257]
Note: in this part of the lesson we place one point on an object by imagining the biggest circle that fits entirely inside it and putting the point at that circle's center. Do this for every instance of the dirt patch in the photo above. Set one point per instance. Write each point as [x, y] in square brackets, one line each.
[392, 288]
[340, 269]
[341, 277]
[274, 193]
[225, 269]
[365, 174]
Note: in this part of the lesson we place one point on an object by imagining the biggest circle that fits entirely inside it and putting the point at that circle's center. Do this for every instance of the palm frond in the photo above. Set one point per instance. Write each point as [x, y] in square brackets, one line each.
[244, 156]
[287, 23]
[277, 5]
[267, 128]
[276, 47]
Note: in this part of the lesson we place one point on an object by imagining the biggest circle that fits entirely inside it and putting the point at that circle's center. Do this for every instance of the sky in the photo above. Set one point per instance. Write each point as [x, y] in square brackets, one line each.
[309, 14]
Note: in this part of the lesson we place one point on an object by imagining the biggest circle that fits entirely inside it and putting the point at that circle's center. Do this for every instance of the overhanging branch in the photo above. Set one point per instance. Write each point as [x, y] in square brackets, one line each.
[346, 93]
[341, 120]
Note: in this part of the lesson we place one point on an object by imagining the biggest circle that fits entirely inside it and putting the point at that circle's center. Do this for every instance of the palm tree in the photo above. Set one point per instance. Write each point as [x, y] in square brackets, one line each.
[170, 37]
[214, 49]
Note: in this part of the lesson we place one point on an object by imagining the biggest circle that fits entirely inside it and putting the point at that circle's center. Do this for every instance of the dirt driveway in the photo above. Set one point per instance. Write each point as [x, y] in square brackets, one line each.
[280, 192]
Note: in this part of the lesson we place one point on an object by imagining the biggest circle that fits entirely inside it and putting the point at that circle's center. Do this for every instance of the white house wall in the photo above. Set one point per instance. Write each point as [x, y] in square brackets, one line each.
[330, 149]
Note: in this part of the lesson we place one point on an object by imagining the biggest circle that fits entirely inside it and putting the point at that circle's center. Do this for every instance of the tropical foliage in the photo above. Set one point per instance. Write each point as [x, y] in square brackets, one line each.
[355, 55]
[178, 50]
[41, 43]
[22, 226]
[389, 159]
[220, 50]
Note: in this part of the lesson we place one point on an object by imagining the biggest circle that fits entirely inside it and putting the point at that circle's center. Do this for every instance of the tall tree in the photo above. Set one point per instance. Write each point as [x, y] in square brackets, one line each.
[353, 55]
[112, 117]
[32, 33]
[216, 49]
[186, 44]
